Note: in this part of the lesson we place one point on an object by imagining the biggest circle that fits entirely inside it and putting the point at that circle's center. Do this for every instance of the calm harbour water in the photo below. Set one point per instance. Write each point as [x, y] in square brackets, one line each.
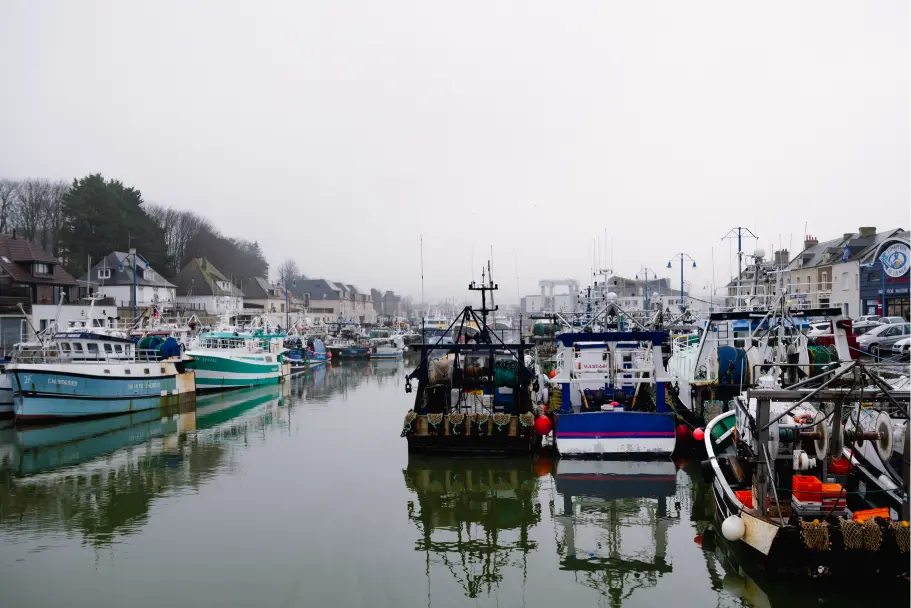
[304, 495]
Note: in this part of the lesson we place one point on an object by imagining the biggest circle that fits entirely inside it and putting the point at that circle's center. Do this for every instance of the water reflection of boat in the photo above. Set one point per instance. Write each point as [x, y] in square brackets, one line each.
[616, 479]
[600, 501]
[464, 506]
[215, 408]
[32, 449]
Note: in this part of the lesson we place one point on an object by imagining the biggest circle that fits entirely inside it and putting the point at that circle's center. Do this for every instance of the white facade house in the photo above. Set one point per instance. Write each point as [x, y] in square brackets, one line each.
[114, 277]
[203, 287]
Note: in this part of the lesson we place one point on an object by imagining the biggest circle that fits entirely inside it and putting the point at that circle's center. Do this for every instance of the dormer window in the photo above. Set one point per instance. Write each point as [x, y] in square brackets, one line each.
[104, 273]
[41, 268]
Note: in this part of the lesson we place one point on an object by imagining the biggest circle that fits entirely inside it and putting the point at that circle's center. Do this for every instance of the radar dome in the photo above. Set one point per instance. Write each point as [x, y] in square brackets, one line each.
[611, 296]
[759, 253]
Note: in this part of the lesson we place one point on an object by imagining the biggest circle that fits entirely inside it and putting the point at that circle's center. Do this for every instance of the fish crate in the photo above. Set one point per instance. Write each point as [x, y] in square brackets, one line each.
[806, 488]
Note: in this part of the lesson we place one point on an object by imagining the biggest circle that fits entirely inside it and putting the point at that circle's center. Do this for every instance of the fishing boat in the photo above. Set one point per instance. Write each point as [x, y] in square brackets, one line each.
[608, 396]
[475, 397]
[344, 348]
[234, 359]
[391, 347]
[95, 373]
[786, 498]
[736, 348]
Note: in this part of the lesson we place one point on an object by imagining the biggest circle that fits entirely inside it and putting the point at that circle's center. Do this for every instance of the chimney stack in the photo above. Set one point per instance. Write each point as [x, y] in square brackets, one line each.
[809, 241]
[867, 231]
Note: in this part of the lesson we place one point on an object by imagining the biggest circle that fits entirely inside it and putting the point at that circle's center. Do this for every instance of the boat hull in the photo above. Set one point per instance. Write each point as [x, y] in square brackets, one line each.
[73, 390]
[615, 434]
[349, 352]
[220, 373]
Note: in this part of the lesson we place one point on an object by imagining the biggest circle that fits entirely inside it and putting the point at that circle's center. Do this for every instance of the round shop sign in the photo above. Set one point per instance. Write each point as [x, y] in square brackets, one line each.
[895, 259]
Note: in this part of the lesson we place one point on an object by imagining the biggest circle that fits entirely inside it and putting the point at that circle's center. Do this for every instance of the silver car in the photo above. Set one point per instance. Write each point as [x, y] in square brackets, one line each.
[880, 339]
[902, 348]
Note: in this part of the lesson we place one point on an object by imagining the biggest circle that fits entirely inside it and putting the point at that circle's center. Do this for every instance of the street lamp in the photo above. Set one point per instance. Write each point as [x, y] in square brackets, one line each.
[681, 257]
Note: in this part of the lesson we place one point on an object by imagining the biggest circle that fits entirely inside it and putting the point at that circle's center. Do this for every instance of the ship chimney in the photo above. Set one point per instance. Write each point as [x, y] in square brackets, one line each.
[866, 231]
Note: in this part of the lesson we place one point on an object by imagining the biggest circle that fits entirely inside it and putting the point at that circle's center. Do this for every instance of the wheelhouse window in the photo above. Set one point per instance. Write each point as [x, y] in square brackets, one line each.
[108, 348]
[92, 347]
[65, 347]
[118, 348]
[77, 347]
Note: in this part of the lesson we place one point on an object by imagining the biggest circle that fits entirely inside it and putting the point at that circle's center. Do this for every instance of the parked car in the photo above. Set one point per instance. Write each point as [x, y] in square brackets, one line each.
[819, 329]
[902, 348]
[866, 318]
[893, 320]
[880, 339]
[863, 327]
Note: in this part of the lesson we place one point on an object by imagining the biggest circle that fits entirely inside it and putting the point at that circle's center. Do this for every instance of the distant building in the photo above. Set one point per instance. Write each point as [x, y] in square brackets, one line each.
[829, 273]
[113, 277]
[549, 301]
[346, 302]
[201, 286]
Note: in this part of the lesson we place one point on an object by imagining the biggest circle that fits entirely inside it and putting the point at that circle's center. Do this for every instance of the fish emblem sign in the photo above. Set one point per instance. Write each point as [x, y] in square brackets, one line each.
[895, 259]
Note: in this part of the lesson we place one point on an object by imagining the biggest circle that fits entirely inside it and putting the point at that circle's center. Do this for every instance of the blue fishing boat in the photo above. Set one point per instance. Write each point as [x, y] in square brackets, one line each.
[296, 354]
[95, 372]
[609, 397]
[343, 348]
[317, 353]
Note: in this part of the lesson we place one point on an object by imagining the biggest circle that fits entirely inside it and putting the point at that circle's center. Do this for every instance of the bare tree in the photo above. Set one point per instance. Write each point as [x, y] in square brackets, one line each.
[9, 196]
[31, 205]
[289, 270]
[180, 227]
[52, 217]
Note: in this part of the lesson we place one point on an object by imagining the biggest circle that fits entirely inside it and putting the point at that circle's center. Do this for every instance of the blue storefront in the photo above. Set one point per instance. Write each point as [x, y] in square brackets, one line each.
[891, 260]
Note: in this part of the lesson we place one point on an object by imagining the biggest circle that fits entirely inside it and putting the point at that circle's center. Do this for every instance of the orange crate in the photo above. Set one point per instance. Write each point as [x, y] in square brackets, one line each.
[807, 488]
[863, 516]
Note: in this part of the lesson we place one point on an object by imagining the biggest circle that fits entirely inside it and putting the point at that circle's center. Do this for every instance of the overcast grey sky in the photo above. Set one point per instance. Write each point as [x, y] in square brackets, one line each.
[339, 131]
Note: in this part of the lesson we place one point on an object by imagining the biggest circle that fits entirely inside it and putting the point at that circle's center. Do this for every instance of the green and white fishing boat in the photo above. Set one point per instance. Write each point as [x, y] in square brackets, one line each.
[235, 358]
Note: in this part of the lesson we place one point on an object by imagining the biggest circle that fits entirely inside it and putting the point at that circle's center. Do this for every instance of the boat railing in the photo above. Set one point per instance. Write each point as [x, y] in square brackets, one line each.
[54, 355]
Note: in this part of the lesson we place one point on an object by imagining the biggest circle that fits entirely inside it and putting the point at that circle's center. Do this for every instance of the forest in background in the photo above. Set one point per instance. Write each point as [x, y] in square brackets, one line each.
[93, 216]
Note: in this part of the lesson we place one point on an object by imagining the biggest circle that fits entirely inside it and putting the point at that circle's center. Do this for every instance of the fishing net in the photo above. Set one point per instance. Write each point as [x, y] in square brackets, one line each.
[409, 419]
[440, 371]
[501, 420]
[900, 531]
[815, 535]
[556, 397]
[456, 423]
[857, 535]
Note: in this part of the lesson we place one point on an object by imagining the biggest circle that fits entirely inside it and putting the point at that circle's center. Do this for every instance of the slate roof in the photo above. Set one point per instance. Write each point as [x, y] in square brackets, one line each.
[17, 256]
[832, 251]
[319, 289]
[200, 278]
[117, 259]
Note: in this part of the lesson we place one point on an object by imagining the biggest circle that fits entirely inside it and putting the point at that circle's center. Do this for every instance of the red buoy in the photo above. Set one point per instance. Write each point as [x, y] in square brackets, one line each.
[543, 425]
[698, 434]
[683, 431]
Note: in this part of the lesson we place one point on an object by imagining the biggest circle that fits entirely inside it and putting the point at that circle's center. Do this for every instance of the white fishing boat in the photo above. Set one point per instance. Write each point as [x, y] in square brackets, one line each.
[390, 347]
